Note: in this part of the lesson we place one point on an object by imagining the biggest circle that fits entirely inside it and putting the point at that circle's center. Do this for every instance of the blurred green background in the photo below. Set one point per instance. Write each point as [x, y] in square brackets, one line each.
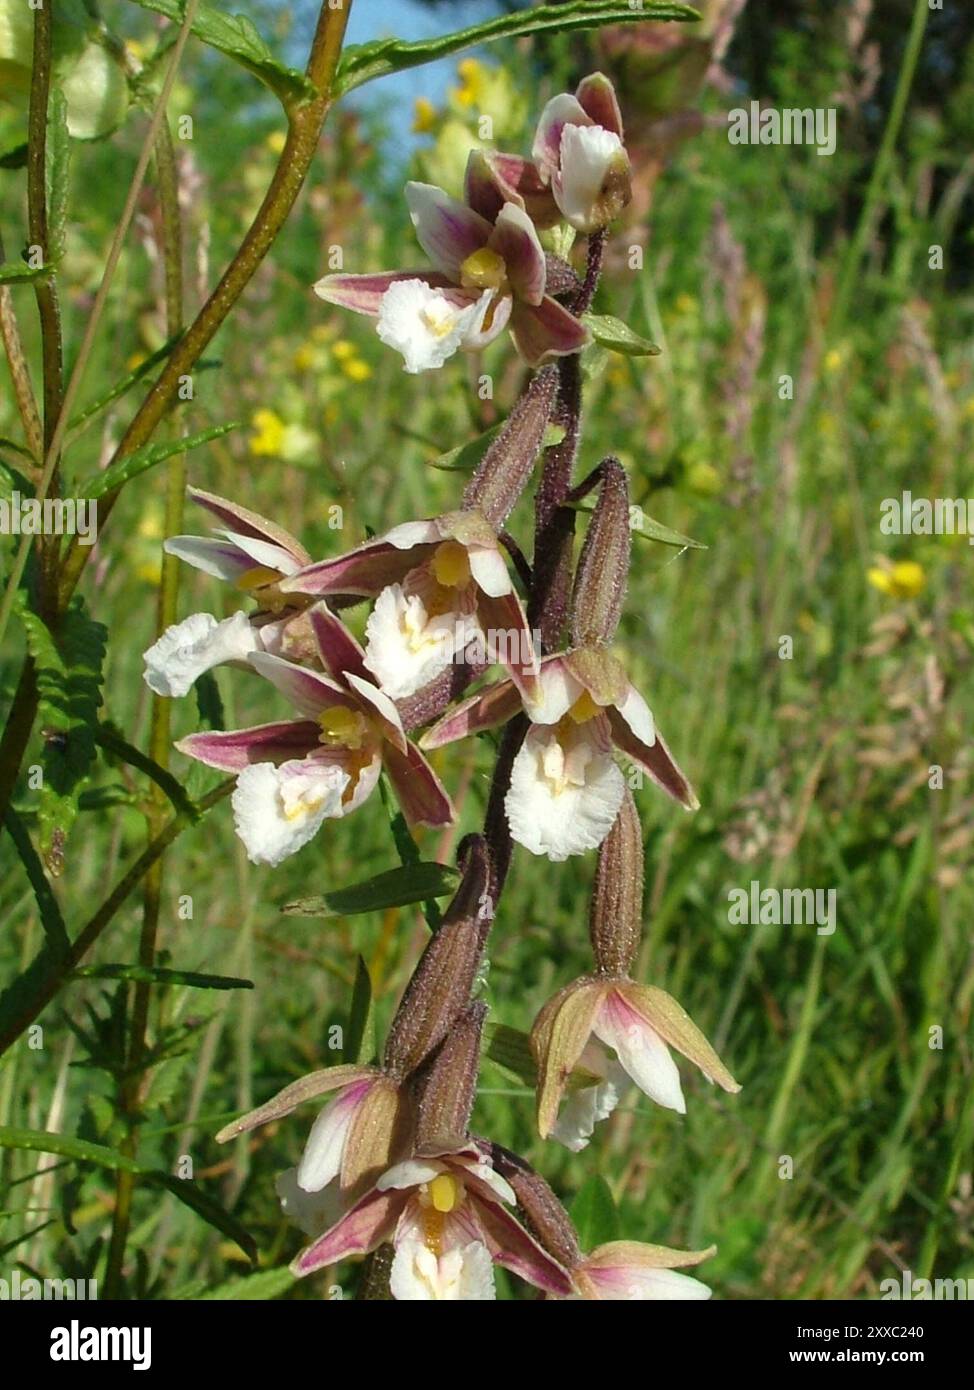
[812, 771]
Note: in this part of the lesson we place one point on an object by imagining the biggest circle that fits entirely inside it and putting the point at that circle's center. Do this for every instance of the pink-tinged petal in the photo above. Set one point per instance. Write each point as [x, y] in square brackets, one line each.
[489, 569]
[309, 691]
[638, 716]
[546, 330]
[366, 778]
[366, 570]
[493, 317]
[248, 523]
[639, 1283]
[340, 652]
[516, 242]
[321, 1161]
[236, 749]
[511, 1246]
[316, 1083]
[482, 188]
[597, 98]
[560, 111]
[641, 1051]
[380, 707]
[408, 534]
[495, 705]
[363, 294]
[418, 790]
[367, 1225]
[655, 758]
[510, 641]
[521, 184]
[265, 554]
[446, 229]
[221, 558]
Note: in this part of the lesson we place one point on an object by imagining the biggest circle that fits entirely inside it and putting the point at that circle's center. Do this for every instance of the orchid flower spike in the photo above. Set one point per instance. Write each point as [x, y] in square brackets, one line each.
[294, 775]
[254, 555]
[448, 1218]
[615, 1031]
[487, 274]
[579, 152]
[364, 1128]
[566, 789]
[444, 595]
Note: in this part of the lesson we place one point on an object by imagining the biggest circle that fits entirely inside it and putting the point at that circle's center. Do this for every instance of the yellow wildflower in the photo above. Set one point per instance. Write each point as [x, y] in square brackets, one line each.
[424, 116]
[905, 579]
[343, 349]
[275, 141]
[268, 433]
[356, 370]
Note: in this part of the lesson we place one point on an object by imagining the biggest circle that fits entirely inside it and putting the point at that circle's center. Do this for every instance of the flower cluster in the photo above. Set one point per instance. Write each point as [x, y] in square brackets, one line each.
[390, 1162]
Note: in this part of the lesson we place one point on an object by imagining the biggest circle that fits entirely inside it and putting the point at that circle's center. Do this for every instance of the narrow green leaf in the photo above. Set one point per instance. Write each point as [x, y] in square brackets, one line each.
[360, 1033]
[108, 738]
[413, 883]
[465, 457]
[594, 1213]
[235, 36]
[407, 848]
[610, 332]
[210, 1211]
[650, 530]
[143, 459]
[365, 62]
[511, 1049]
[157, 975]
[265, 1285]
[47, 905]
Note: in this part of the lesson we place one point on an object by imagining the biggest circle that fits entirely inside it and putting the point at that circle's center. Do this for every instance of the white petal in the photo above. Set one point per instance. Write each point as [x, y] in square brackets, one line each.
[642, 1052]
[410, 1173]
[423, 324]
[489, 570]
[587, 155]
[197, 644]
[410, 533]
[264, 553]
[639, 1284]
[463, 1272]
[562, 799]
[405, 648]
[638, 716]
[277, 810]
[558, 692]
[321, 1161]
[582, 1110]
[314, 1212]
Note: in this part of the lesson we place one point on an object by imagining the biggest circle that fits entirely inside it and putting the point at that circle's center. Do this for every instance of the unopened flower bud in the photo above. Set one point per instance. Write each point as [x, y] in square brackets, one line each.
[603, 567]
[505, 468]
[448, 1086]
[615, 919]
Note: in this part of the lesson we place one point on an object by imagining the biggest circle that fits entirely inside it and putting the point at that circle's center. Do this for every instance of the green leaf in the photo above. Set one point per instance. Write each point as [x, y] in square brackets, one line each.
[650, 530]
[367, 61]
[413, 883]
[47, 905]
[157, 975]
[235, 36]
[511, 1049]
[594, 1213]
[58, 155]
[465, 457]
[83, 1151]
[610, 332]
[108, 738]
[360, 1033]
[69, 676]
[143, 459]
[20, 273]
[263, 1286]
[208, 701]
[408, 849]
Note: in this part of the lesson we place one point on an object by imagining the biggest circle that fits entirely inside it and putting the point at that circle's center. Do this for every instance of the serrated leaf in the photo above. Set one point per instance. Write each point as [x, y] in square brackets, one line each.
[236, 36]
[159, 975]
[360, 1032]
[412, 883]
[20, 273]
[365, 62]
[594, 1214]
[69, 676]
[143, 459]
[612, 333]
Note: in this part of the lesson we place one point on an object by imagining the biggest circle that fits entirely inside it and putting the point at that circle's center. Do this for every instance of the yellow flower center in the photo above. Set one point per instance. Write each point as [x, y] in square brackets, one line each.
[483, 270]
[342, 727]
[442, 1195]
[256, 578]
[584, 709]
[445, 1192]
[450, 565]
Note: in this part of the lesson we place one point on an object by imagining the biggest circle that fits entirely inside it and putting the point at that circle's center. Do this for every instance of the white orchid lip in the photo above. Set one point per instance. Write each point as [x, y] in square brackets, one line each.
[425, 325]
[278, 810]
[189, 648]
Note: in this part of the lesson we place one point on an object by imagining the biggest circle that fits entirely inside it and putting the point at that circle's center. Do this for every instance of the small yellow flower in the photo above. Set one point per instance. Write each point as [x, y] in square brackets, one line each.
[424, 116]
[305, 357]
[472, 77]
[356, 370]
[685, 304]
[905, 579]
[150, 527]
[135, 361]
[268, 433]
[833, 360]
[343, 349]
[275, 141]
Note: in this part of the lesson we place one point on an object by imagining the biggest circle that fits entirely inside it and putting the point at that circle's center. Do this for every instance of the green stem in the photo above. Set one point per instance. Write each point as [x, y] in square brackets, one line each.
[881, 169]
[20, 373]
